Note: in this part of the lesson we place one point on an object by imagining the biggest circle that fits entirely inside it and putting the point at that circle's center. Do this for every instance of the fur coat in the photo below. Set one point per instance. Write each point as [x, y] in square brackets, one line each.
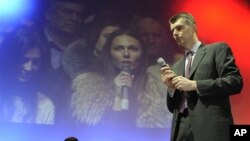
[93, 96]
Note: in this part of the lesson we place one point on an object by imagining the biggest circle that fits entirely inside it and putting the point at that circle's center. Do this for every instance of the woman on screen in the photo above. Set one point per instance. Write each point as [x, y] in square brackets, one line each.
[120, 92]
[22, 64]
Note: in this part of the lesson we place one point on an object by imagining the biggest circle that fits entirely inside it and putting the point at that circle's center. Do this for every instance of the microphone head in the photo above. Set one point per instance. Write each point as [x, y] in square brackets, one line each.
[126, 67]
[161, 62]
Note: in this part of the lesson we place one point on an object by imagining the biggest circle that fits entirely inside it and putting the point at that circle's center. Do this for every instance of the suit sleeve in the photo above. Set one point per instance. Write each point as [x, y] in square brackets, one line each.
[228, 80]
[173, 98]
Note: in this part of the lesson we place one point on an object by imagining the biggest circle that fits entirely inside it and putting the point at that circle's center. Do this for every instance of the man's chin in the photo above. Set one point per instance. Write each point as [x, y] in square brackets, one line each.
[180, 43]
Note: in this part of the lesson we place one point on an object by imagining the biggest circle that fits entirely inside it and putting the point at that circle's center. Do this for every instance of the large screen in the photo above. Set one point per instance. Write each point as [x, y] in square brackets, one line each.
[89, 69]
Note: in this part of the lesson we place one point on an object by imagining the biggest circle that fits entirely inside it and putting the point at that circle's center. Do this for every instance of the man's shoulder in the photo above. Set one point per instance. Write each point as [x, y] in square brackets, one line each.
[216, 44]
[218, 48]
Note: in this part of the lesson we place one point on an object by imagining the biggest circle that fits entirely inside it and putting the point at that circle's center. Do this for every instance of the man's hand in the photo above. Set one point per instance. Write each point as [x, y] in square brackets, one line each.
[184, 84]
[167, 76]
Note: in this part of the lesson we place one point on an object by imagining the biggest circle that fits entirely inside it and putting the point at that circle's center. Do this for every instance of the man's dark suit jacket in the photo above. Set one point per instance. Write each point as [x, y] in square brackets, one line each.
[217, 78]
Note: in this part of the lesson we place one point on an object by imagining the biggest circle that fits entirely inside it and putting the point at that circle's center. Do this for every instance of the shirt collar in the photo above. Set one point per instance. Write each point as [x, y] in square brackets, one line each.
[50, 40]
[194, 48]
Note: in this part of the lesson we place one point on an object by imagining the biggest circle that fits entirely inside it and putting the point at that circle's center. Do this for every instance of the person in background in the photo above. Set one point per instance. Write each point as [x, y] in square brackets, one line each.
[22, 63]
[76, 59]
[124, 95]
[63, 22]
[71, 139]
[199, 85]
[102, 27]
[154, 35]
[82, 55]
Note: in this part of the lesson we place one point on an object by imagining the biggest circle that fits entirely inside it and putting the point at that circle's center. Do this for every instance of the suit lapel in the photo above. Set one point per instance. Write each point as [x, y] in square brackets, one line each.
[197, 59]
[181, 67]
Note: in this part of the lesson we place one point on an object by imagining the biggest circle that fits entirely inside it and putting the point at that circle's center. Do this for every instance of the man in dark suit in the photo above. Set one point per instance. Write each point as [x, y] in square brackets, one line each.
[63, 23]
[199, 96]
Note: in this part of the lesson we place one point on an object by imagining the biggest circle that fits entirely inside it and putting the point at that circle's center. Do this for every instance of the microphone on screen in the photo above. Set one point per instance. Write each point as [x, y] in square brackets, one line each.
[125, 89]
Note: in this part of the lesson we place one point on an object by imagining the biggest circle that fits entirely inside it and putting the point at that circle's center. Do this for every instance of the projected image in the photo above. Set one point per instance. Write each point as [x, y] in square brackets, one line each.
[83, 68]
[88, 68]
[121, 92]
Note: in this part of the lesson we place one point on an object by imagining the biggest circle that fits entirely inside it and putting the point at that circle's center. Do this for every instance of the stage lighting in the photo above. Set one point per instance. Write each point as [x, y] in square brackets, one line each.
[11, 9]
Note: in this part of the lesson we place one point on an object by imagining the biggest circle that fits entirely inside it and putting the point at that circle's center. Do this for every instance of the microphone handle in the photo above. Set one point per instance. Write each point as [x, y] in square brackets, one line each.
[125, 101]
[125, 91]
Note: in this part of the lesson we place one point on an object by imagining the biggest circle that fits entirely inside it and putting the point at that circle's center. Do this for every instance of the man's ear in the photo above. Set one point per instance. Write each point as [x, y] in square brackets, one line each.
[195, 27]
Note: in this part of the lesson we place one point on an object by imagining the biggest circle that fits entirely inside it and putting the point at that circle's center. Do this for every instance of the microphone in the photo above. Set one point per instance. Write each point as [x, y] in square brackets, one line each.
[125, 89]
[162, 62]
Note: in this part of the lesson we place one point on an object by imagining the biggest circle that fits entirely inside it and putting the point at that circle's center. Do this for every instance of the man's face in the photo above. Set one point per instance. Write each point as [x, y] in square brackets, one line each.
[66, 17]
[182, 32]
[29, 65]
[153, 35]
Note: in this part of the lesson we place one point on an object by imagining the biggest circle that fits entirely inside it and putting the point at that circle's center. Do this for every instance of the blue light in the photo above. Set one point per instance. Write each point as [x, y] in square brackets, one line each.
[12, 9]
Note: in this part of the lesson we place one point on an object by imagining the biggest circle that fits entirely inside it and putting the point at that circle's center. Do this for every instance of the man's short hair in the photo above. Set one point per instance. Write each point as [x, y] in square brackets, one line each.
[188, 18]
[71, 139]
[52, 4]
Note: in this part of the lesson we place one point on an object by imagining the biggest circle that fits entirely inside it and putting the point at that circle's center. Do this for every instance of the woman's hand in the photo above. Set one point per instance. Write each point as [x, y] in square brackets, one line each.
[123, 79]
